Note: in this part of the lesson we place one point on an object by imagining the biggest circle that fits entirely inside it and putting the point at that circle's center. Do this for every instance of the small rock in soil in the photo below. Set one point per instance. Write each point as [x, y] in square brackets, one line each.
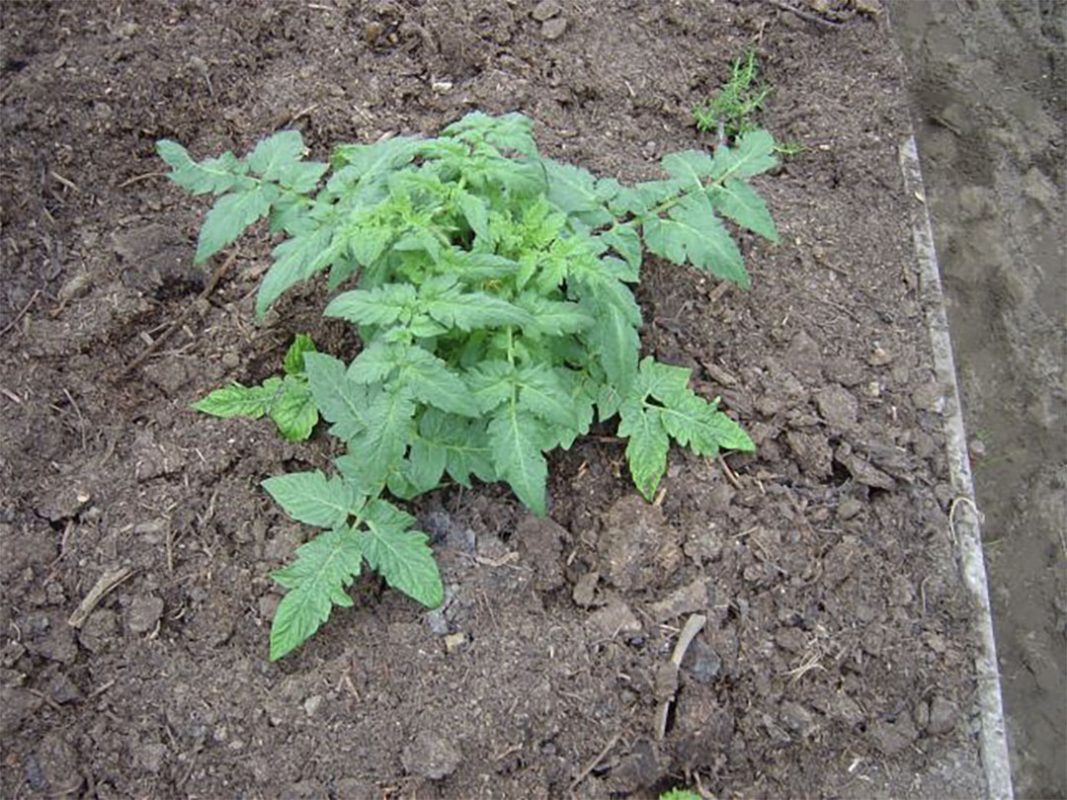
[694, 596]
[49, 636]
[100, 627]
[797, 719]
[613, 619]
[585, 589]
[540, 540]
[454, 641]
[929, 397]
[868, 475]
[62, 689]
[943, 714]
[893, 737]
[431, 756]
[143, 613]
[152, 459]
[313, 704]
[65, 503]
[639, 769]
[701, 662]
[54, 767]
[554, 28]
[16, 706]
[838, 407]
[812, 453]
[150, 756]
[792, 640]
[879, 357]
[545, 10]
[849, 508]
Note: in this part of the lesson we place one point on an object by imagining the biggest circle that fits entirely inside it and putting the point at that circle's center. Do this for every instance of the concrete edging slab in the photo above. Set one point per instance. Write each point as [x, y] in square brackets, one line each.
[964, 519]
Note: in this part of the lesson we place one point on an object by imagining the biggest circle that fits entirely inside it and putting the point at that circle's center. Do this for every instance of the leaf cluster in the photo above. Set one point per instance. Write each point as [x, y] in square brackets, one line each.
[733, 107]
[491, 289]
[286, 400]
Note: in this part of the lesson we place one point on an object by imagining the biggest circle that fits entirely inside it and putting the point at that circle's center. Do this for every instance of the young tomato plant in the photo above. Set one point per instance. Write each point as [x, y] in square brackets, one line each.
[490, 287]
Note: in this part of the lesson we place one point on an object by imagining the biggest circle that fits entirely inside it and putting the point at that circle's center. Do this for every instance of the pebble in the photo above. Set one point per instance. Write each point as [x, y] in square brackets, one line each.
[879, 357]
[849, 508]
[431, 756]
[585, 589]
[454, 641]
[545, 10]
[702, 662]
[613, 619]
[312, 704]
[942, 717]
[554, 28]
[143, 613]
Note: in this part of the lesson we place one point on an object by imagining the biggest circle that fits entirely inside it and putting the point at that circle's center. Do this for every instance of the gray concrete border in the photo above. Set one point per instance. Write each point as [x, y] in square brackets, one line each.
[964, 518]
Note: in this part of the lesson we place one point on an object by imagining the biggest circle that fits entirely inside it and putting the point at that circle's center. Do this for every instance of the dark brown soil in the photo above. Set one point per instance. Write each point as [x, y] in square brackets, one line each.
[836, 660]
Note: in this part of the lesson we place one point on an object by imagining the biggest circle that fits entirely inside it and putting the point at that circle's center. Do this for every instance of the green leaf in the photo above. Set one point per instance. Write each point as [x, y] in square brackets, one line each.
[403, 558]
[381, 306]
[738, 201]
[371, 161]
[324, 568]
[573, 190]
[690, 167]
[274, 154]
[229, 217]
[424, 467]
[293, 364]
[614, 342]
[492, 383]
[433, 383]
[515, 442]
[647, 447]
[463, 442]
[553, 317]
[694, 423]
[625, 241]
[752, 154]
[473, 267]
[476, 213]
[445, 301]
[312, 498]
[505, 132]
[236, 400]
[693, 233]
[295, 260]
[544, 395]
[662, 381]
[294, 411]
[340, 400]
[215, 175]
[301, 176]
[379, 448]
[375, 363]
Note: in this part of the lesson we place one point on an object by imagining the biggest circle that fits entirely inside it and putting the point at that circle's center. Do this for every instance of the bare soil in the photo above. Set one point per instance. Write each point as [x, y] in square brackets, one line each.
[836, 659]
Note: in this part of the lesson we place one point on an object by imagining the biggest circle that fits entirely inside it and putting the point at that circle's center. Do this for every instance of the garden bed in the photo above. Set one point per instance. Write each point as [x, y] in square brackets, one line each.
[837, 656]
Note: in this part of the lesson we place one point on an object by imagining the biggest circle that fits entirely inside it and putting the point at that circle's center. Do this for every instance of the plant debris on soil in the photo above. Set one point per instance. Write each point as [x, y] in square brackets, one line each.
[835, 657]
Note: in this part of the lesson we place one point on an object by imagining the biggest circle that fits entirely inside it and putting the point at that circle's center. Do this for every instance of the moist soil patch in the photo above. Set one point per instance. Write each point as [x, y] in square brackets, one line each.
[836, 657]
